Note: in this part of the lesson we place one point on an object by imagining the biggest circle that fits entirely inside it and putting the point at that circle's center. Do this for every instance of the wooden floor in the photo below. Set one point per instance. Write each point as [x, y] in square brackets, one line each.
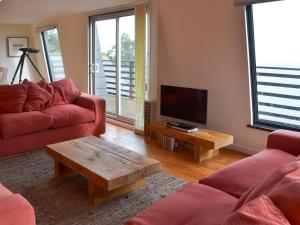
[177, 163]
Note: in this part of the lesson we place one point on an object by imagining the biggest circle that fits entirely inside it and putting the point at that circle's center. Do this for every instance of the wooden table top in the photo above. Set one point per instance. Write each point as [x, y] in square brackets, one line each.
[108, 165]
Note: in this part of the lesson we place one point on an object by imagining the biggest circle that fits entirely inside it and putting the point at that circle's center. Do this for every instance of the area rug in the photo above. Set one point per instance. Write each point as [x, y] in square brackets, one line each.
[65, 202]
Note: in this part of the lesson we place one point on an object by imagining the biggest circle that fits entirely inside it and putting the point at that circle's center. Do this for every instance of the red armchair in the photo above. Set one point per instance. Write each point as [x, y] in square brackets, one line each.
[14, 209]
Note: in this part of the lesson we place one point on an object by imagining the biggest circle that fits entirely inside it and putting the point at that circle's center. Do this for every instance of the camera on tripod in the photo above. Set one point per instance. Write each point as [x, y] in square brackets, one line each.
[26, 52]
[29, 50]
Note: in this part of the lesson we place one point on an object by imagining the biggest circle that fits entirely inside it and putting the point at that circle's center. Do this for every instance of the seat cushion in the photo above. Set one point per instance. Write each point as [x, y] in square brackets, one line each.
[238, 177]
[17, 124]
[68, 115]
[193, 204]
[12, 98]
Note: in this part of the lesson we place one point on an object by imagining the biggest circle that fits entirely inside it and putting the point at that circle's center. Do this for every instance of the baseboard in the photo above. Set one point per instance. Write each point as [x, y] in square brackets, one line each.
[120, 124]
[244, 149]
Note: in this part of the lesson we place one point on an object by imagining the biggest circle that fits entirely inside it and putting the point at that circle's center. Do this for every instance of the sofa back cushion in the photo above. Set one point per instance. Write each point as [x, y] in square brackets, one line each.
[257, 212]
[67, 90]
[286, 196]
[37, 97]
[12, 98]
[55, 96]
[264, 186]
[237, 178]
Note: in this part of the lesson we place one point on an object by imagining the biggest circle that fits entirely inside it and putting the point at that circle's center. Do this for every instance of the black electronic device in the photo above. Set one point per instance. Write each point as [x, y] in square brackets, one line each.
[182, 127]
[184, 103]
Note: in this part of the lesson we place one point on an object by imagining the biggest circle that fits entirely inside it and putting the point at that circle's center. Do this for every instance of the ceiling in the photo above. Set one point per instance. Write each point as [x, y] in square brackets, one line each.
[35, 11]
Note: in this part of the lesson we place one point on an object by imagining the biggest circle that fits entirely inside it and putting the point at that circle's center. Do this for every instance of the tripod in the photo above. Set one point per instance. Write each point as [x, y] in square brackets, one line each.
[20, 66]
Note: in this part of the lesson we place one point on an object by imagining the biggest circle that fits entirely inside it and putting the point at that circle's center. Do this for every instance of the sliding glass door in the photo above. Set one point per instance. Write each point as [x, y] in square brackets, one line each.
[112, 63]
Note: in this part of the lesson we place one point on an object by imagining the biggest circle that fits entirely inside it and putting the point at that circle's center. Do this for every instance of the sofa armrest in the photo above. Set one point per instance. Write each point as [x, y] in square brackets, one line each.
[288, 141]
[15, 210]
[97, 105]
[90, 102]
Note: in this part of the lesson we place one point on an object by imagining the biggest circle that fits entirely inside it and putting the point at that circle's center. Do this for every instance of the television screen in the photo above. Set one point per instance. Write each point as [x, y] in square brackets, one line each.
[184, 103]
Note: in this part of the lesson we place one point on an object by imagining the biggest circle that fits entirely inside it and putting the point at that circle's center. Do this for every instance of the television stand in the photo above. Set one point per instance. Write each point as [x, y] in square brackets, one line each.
[206, 142]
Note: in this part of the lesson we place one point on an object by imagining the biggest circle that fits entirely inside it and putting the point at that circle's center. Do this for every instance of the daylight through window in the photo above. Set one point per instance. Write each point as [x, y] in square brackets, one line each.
[274, 49]
[53, 54]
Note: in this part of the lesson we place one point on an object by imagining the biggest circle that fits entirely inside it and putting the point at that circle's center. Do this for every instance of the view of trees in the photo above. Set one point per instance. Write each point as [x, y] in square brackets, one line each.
[52, 41]
[127, 49]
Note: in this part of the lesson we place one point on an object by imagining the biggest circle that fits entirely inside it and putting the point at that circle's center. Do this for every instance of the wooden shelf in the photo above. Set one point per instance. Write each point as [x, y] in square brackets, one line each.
[207, 143]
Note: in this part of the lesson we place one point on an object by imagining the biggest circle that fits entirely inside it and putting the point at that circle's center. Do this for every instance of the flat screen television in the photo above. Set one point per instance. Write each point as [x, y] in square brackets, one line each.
[184, 103]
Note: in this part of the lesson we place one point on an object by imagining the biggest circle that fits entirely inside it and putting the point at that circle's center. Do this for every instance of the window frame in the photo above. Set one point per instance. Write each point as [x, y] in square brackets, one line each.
[255, 122]
[46, 53]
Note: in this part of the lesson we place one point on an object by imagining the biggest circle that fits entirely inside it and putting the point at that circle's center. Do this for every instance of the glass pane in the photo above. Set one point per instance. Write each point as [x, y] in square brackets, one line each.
[105, 60]
[127, 76]
[55, 61]
[277, 50]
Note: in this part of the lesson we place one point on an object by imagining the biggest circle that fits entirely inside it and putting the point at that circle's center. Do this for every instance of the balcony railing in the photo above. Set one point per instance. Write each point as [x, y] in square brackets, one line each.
[57, 66]
[127, 75]
[278, 93]
[127, 78]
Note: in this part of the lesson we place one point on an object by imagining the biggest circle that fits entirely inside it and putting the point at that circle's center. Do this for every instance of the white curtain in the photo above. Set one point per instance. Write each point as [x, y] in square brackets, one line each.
[250, 2]
[3, 75]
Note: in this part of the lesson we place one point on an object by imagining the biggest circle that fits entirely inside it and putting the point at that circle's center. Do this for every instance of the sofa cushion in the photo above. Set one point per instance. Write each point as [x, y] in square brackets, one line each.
[266, 184]
[193, 204]
[56, 98]
[12, 98]
[67, 89]
[16, 124]
[68, 115]
[37, 97]
[257, 212]
[286, 196]
[4, 191]
[237, 178]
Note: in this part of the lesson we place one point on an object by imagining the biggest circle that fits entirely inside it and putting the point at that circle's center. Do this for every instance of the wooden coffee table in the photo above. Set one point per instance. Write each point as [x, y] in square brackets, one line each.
[111, 170]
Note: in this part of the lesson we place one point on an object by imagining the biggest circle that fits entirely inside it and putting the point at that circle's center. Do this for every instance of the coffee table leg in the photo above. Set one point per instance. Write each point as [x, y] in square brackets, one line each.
[61, 171]
[96, 195]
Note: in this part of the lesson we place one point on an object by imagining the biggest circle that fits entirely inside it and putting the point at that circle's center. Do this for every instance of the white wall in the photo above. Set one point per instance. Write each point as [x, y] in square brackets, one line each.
[73, 36]
[14, 30]
[202, 44]
[73, 31]
[199, 44]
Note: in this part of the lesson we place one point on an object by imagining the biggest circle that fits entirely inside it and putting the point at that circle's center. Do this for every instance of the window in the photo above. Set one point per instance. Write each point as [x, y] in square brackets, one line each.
[274, 53]
[53, 54]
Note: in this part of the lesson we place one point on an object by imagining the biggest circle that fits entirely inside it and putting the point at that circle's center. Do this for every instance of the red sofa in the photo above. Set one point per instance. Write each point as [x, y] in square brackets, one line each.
[14, 209]
[24, 131]
[211, 200]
